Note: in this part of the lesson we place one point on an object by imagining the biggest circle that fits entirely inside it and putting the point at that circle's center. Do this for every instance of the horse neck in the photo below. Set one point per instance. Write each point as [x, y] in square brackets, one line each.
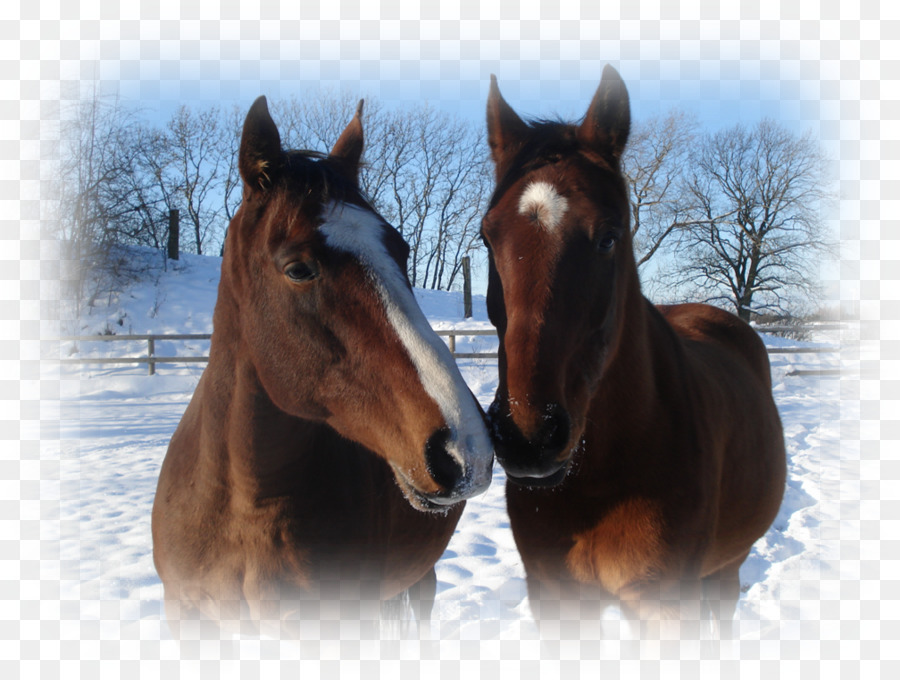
[641, 408]
[633, 378]
[260, 447]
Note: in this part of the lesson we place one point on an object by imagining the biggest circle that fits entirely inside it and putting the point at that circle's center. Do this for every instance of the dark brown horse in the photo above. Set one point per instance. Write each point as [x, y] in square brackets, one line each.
[331, 441]
[643, 450]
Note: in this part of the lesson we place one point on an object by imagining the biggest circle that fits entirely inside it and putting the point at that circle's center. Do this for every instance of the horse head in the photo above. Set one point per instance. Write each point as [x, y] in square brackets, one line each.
[562, 274]
[321, 311]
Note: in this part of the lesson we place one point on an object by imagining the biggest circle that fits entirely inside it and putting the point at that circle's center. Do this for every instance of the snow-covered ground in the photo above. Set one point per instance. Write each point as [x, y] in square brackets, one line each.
[117, 421]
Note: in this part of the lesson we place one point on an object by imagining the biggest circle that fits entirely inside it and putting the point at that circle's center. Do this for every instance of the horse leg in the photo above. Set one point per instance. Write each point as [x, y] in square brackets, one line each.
[544, 600]
[568, 610]
[669, 609]
[190, 627]
[422, 595]
[721, 592]
[418, 599]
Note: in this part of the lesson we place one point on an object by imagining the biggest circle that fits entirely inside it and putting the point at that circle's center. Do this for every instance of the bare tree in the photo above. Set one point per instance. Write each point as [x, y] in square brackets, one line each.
[194, 170]
[230, 142]
[758, 194]
[424, 171]
[98, 155]
[655, 164]
[464, 191]
[434, 183]
[188, 166]
[389, 155]
[150, 193]
[98, 180]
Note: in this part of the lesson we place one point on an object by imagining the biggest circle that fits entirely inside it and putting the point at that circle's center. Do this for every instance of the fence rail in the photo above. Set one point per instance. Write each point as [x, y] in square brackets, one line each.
[797, 372]
[778, 328]
[152, 359]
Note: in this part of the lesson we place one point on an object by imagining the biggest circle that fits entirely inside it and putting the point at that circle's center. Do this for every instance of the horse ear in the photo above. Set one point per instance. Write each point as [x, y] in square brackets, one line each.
[348, 149]
[506, 131]
[608, 120]
[260, 154]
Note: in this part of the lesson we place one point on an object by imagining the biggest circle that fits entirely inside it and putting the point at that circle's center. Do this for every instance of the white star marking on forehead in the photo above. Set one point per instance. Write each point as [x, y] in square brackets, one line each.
[542, 202]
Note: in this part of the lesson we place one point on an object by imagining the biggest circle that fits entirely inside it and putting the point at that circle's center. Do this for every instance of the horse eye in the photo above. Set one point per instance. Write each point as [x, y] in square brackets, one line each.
[606, 244]
[301, 271]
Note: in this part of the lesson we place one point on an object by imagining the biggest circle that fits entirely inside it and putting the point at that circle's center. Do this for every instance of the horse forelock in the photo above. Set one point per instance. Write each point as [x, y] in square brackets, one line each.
[309, 176]
[548, 143]
[306, 184]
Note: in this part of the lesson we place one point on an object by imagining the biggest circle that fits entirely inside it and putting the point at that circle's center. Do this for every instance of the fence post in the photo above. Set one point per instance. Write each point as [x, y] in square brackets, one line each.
[151, 350]
[173, 234]
[467, 287]
[452, 339]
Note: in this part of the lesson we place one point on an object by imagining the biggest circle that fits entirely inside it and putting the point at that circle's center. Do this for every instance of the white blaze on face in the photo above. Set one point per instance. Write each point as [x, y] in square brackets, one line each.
[357, 231]
[542, 202]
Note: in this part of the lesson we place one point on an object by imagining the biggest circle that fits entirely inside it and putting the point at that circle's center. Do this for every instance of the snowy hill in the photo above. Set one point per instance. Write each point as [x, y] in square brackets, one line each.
[180, 297]
[119, 421]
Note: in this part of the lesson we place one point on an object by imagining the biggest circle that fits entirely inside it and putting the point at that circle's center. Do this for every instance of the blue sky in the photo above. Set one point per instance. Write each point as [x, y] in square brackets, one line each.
[811, 66]
[720, 94]
[697, 87]
[716, 101]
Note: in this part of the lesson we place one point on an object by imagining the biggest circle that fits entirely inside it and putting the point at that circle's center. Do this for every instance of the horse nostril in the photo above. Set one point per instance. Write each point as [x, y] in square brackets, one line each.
[442, 467]
[554, 434]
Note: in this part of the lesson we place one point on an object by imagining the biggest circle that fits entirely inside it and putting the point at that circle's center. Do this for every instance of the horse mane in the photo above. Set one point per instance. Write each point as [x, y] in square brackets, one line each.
[323, 181]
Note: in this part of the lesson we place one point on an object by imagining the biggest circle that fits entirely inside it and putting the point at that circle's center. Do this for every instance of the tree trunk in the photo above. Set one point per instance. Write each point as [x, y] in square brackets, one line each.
[467, 287]
[173, 235]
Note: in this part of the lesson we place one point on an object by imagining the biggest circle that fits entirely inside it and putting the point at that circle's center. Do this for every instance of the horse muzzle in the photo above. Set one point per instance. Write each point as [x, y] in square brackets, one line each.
[459, 468]
[539, 458]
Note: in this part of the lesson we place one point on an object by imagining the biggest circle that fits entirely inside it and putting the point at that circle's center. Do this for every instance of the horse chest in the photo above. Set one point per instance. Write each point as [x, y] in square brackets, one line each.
[624, 546]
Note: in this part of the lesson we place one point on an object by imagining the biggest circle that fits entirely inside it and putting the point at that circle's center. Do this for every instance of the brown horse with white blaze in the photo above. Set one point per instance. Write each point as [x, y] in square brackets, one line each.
[331, 442]
[643, 449]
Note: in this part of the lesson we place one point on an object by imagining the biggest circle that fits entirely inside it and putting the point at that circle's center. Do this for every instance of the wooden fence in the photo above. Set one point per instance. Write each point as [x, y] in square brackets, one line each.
[152, 359]
[823, 372]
